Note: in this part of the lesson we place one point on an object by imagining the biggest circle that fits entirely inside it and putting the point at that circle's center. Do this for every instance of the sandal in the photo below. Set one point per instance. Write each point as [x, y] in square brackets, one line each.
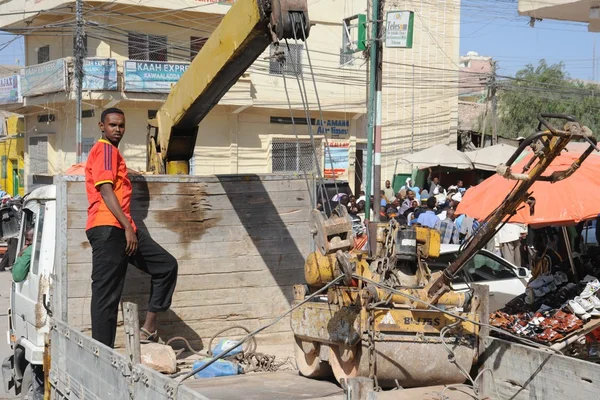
[148, 337]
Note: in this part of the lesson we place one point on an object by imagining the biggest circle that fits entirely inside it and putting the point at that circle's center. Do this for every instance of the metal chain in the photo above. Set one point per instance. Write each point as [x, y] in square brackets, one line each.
[258, 362]
[371, 347]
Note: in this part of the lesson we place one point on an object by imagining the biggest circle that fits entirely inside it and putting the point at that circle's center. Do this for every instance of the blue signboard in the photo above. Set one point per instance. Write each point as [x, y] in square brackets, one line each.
[99, 74]
[152, 76]
[43, 78]
[9, 90]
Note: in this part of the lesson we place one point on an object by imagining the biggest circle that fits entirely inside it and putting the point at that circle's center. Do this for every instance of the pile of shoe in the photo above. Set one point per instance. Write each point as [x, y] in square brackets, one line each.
[551, 308]
[543, 285]
[545, 327]
[587, 304]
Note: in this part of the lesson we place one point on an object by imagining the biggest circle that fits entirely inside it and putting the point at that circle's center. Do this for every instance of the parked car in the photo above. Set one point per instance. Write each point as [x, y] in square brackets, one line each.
[505, 280]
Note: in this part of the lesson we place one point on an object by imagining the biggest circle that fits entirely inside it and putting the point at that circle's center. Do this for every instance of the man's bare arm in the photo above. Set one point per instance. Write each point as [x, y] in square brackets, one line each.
[111, 201]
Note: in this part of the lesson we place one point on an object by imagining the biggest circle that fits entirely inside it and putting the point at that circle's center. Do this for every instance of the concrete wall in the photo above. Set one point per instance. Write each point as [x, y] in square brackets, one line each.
[227, 142]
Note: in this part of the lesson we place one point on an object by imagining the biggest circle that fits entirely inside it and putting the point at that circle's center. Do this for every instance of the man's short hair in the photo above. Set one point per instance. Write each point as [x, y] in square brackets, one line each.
[431, 202]
[112, 110]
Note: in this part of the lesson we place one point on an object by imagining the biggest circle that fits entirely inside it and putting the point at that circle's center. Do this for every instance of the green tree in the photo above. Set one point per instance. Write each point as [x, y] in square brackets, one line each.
[543, 89]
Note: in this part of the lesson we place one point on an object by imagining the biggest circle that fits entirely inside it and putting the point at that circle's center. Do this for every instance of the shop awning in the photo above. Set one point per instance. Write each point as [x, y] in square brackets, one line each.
[439, 156]
[565, 202]
[488, 158]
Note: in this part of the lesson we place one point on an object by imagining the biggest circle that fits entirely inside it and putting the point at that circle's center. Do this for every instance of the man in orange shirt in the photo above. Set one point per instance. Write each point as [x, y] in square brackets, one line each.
[115, 240]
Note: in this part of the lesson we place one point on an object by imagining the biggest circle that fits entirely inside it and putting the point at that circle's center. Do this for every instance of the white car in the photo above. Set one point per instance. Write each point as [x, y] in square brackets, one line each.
[505, 280]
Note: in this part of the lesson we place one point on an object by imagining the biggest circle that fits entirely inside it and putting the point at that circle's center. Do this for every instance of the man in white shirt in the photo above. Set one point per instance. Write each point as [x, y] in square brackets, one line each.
[509, 238]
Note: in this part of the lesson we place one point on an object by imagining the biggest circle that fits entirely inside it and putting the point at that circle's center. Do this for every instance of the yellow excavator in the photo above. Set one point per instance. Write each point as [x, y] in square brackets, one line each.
[388, 317]
[384, 315]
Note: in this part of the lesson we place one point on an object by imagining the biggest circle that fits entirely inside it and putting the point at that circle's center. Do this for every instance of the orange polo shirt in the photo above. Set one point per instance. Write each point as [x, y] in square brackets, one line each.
[105, 164]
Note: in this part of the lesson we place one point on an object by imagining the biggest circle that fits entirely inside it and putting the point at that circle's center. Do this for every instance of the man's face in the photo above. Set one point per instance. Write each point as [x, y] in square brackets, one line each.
[28, 238]
[459, 184]
[387, 184]
[450, 213]
[410, 194]
[436, 180]
[113, 128]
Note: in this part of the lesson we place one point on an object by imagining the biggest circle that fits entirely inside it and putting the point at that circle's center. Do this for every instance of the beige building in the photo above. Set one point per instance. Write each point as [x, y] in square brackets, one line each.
[564, 10]
[134, 51]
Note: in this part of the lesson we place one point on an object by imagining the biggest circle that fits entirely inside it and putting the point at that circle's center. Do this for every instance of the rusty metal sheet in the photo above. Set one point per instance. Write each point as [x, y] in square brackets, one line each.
[327, 323]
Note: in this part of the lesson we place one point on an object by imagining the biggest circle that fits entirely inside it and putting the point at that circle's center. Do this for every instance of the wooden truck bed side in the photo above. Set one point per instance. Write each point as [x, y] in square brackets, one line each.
[240, 242]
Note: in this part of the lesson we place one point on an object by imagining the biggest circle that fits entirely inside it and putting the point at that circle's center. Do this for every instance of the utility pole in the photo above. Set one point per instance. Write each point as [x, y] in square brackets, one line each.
[374, 126]
[79, 54]
[494, 104]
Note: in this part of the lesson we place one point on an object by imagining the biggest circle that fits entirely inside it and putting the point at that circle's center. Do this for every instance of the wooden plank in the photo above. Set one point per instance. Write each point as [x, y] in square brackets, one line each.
[187, 315]
[78, 219]
[192, 298]
[203, 202]
[135, 285]
[218, 265]
[203, 251]
[195, 232]
[232, 188]
[240, 243]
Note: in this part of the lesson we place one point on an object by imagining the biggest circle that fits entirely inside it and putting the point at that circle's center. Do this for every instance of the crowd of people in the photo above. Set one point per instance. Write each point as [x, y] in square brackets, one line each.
[432, 206]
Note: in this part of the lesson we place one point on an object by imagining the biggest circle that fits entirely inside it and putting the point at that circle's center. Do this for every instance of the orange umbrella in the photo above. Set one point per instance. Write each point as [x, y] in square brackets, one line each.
[565, 202]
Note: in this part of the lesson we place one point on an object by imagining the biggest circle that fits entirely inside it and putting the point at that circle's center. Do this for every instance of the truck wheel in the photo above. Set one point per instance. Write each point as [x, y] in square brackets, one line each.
[32, 386]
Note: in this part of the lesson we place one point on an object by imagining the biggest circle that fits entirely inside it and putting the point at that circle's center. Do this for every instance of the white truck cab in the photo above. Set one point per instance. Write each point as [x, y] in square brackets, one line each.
[28, 313]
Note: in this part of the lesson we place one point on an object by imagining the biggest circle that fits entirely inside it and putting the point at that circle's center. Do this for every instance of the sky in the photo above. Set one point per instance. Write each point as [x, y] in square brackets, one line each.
[491, 28]
[501, 33]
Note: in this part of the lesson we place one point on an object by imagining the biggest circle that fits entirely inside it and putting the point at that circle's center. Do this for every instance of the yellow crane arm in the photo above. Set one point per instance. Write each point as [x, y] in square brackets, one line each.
[243, 34]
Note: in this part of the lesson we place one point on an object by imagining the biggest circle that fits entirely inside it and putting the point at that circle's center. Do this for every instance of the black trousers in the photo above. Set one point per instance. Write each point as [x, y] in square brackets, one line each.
[109, 265]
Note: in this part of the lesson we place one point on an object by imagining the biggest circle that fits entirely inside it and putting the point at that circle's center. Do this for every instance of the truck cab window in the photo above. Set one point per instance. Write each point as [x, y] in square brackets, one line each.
[37, 239]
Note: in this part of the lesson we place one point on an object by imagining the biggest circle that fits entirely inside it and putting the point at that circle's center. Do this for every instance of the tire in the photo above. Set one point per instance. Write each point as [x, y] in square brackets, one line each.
[32, 386]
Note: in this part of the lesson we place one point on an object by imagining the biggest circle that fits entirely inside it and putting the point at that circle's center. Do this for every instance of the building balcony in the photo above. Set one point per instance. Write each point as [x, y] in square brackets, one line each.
[565, 10]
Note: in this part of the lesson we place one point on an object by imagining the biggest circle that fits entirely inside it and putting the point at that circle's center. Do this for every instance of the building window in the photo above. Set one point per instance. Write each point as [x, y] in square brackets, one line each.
[88, 113]
[85, 45]
[147, 47]
[196, 44]
[293, 156]
[38, 155]
[43, 54]
[86, 146]
[293, 60]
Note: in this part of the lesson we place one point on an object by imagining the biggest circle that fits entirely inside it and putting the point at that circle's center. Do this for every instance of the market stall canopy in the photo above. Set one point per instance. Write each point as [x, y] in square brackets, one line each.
[488, 158]
[565, 202]
[439, 156]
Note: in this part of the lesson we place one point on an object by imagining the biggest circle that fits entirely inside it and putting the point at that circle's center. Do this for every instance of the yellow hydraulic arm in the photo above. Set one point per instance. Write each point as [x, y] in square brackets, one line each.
[243, 34]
